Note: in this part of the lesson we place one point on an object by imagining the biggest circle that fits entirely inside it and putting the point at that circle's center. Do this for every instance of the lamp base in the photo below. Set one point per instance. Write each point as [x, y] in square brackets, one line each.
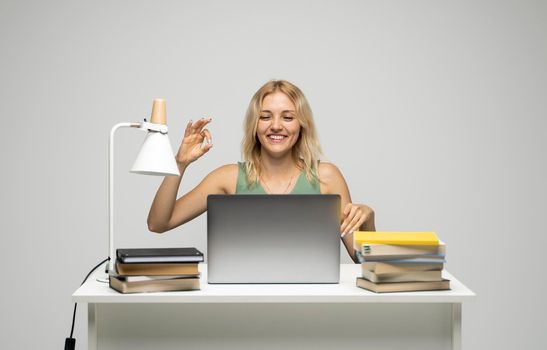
[103, 279]
[105, 276]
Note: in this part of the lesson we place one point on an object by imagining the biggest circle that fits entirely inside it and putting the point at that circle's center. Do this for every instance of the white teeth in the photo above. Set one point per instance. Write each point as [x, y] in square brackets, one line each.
[276, 137]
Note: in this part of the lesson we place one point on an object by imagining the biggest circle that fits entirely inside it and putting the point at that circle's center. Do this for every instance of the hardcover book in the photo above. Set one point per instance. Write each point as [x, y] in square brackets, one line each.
[381, 268]
[374, 249]
[410, 276]
[159, 255]
[409, 258]
[157, 269]
[403, 259]
[147, 285]
[412, 238]
[402, 286]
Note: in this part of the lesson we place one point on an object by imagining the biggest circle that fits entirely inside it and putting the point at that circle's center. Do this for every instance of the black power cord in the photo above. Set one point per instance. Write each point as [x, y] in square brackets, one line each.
[70, 343]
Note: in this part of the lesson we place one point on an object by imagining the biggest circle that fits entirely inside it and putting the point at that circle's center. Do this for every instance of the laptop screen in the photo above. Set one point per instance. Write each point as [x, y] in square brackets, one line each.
[273, 238]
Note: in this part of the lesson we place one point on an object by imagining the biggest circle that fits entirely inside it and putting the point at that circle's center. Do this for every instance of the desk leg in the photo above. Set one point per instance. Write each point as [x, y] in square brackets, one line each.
[91, 326]
[456, 326]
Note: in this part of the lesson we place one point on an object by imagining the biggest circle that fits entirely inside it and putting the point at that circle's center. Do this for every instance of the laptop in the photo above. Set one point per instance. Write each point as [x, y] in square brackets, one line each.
[273, 238]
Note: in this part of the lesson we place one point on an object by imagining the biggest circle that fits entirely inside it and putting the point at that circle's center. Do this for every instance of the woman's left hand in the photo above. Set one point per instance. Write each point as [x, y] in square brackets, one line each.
[353, 216]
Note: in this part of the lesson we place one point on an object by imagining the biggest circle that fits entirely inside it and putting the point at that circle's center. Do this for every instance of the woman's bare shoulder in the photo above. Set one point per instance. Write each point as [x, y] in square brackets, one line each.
[331, 178]
[328, 171]
[226, 176]
[227, 169]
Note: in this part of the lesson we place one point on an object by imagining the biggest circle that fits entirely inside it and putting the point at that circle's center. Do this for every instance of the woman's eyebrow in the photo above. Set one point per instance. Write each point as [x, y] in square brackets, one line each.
[285, 111]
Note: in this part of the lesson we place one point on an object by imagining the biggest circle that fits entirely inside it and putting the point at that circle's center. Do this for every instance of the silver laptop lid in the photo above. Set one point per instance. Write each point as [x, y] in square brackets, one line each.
[273, 238]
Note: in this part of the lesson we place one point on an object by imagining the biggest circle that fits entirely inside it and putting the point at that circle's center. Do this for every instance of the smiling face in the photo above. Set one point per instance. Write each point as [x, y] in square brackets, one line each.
[278, 128]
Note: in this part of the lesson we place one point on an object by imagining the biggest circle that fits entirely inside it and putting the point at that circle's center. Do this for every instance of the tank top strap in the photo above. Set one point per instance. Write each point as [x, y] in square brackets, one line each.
[242, 186]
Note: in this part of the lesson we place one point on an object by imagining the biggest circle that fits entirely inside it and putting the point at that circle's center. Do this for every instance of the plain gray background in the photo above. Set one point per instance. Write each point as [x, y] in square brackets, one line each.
[434, 111]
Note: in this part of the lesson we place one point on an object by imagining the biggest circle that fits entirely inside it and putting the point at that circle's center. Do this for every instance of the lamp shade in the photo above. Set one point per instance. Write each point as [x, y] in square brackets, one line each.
[156, 156]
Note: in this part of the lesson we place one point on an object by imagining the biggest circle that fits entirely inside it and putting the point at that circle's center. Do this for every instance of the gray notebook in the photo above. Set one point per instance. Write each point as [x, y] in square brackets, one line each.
[273, 238]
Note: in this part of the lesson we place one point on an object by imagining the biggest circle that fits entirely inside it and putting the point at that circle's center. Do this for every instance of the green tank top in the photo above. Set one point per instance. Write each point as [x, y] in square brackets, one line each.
[302, 186]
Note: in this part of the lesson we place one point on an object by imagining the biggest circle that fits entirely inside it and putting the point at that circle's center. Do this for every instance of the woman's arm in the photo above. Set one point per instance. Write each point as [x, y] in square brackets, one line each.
[354, 216]
[166, 211]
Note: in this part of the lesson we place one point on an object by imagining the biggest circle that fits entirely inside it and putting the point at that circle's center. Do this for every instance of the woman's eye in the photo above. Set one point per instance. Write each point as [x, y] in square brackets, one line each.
[264, 117]
[288, 118]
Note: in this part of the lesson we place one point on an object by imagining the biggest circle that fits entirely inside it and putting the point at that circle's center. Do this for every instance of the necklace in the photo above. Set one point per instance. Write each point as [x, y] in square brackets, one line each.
[286, 189]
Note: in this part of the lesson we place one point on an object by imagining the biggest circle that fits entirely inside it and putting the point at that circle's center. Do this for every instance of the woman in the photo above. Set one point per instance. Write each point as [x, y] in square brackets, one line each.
[280, 149]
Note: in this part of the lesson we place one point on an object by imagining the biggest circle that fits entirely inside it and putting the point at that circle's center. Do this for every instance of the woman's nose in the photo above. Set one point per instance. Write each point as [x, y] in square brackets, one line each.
[276, 124]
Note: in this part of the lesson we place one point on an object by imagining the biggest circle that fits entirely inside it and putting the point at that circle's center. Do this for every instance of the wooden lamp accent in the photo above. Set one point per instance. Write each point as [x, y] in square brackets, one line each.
[159, 115]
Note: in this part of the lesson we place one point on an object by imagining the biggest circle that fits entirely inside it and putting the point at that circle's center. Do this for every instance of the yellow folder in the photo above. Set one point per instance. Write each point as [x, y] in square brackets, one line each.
[411, 238]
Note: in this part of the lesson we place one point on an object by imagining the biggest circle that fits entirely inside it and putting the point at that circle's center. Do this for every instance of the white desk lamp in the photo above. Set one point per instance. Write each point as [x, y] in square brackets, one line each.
[155, 158]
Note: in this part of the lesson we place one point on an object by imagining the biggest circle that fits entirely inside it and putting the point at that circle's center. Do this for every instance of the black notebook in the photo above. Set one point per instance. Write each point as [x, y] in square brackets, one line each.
[159, 255]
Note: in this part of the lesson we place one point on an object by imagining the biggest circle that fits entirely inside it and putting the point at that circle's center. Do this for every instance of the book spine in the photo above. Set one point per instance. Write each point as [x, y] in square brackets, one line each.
[422, 259]
[408, 258]
[390, 249]
[404, 238]
[380, 268]
[395, 242]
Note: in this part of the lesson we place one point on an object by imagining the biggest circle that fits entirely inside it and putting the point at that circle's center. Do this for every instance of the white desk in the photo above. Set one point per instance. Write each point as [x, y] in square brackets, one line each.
[293, 316]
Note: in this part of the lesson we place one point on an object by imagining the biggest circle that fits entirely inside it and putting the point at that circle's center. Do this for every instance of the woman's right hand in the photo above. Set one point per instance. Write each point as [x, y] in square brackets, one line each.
[192, 146]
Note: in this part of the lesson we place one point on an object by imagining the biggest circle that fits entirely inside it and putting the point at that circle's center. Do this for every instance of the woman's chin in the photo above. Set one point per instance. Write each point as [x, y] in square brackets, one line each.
[276, 152]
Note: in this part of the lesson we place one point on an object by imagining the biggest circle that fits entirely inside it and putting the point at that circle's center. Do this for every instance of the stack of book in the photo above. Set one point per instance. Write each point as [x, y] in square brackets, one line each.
[400, 261]
[156, 270]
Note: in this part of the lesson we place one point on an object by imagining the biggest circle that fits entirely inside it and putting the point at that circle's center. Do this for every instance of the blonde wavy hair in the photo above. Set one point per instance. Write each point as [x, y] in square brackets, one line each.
[306, 150]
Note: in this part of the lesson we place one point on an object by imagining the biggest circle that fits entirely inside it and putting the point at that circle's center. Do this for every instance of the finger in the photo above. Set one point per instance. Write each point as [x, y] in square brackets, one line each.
[368, 214]
[348, 227]
[353, 217]
[346, 220]
[349, 216]
[347, 209]
[353, 223]
[205, 122]
[195, 126]
[198, 125]
[207, 135]
[344, 216]
[205, 148]
[345, 224]
[188, 127]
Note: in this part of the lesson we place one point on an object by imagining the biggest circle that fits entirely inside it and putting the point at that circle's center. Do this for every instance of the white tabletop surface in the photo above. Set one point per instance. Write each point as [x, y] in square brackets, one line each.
[344, 292]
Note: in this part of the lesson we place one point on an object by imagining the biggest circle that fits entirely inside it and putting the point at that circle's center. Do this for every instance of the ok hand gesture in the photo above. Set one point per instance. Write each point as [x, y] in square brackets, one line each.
[192, 146]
